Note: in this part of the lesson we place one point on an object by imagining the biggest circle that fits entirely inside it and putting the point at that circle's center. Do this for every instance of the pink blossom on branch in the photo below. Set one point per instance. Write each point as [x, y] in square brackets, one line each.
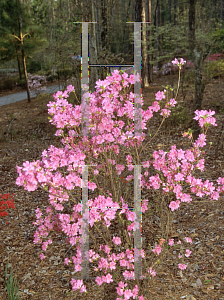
[174, 205]
[157, 249]
[182, 266]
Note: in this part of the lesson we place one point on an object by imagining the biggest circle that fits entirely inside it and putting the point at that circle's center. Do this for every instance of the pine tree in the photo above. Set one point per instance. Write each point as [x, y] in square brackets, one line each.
[19, 34]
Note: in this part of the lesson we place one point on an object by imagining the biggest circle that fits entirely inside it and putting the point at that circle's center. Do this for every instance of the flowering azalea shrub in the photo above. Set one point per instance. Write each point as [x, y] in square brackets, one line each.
[37, 83]
[169, 67]
[214, 65]
[189, 65]
[214, 57]
[111, 134]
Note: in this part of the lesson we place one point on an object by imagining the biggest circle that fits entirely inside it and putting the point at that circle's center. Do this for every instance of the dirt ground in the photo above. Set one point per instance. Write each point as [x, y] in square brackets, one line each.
[202, 220]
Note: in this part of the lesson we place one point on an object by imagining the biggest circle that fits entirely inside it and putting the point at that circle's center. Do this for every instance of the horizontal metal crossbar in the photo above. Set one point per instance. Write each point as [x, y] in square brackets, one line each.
[111, 65]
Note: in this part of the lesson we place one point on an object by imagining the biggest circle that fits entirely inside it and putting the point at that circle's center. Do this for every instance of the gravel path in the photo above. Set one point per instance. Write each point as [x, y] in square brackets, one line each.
[23, 95]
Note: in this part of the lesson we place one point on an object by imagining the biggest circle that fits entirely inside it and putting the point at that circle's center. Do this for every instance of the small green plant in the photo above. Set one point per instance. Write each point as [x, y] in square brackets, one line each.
[11, 285]
[207, 281]
[22, 83]
[14, 133]
[179, 116]
[44, 97]
[190, 76]
[214, 69]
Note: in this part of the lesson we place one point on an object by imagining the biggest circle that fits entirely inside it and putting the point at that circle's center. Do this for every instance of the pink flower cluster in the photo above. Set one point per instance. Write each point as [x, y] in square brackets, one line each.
[205, 117]
[179, 62]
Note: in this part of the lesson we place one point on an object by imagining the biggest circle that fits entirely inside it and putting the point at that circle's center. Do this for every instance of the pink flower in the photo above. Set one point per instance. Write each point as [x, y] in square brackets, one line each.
[119, 292]
[70, 88]
[205, 117]
[107, 278]
[135, 291]
[182, 266]
[174, 205]
[172, 102]
[67, 261]
[122, 285]
[157, 249]
[185, 198]
[96, 172]
[152, 272]
[179, 62]
[179, 177]
[78, 284]
[188, 253]
[165, 112]
[171, 242]
[175, 61]
[129, 158]
[99, 280]
[160, 95]
[188, 240]
[127, 294]
[42, 256]
[116, 240]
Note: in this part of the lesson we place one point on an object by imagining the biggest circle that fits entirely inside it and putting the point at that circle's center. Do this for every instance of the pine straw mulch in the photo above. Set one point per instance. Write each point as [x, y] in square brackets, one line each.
[202, 220]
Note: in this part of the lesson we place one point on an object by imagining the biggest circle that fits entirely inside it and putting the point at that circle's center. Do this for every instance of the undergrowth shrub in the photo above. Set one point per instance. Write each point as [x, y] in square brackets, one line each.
[8, 83]
[180, 115]
[214, 68]
[22, 83]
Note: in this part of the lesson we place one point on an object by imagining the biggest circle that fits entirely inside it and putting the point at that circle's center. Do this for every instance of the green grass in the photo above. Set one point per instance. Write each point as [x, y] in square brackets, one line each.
[11, 285]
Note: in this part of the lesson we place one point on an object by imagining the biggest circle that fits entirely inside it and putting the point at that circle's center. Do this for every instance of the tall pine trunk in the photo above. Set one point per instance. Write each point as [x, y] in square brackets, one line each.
[92, 48]
[159, 37]
[23, 58]
[18, 61]
[149, 19]
[145, 62]
[198, 58]
[25, 73]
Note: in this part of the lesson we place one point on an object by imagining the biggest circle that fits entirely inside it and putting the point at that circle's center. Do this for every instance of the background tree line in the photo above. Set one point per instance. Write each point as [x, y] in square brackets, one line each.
[42, 35]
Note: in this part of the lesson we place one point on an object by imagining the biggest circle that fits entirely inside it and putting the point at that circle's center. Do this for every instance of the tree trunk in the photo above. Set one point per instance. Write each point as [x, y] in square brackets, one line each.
[19, 68]
[158, 25]
[93, 50]
[169, 9]
[104, 24]
[211, 13]
[68, 15]
[138, 11]
[175, 13]
[25, 72]
[145, 70]
[97, 27]
[127, 28]
[198, 58]
[23, 58]
[199, 84]
[221, 13]
[149, 19]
